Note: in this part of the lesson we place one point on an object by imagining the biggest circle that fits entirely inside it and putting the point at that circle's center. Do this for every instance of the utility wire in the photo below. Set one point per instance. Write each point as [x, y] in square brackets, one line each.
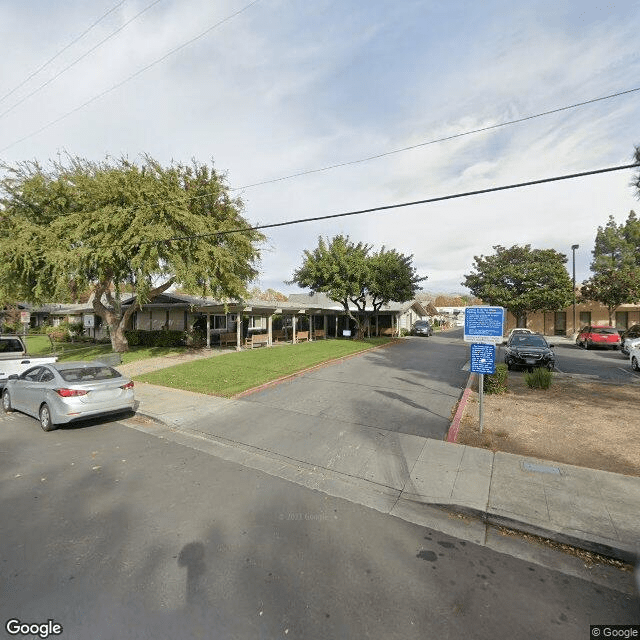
[132, 76]
[465, 194]
[82, 57]
[422, 144]
[50, 60]
[436, 140]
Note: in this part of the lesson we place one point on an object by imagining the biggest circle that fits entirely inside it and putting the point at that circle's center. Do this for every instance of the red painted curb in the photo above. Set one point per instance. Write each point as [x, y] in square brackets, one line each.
[272, 383]
[452, 434]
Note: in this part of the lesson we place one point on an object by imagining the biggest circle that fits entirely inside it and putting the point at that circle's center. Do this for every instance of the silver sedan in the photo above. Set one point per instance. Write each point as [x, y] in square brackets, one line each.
[66, 391]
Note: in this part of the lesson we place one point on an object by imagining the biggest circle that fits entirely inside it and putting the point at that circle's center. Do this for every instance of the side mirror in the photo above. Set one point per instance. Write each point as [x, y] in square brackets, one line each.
[504, 342]
[13, 376]
[551, 346]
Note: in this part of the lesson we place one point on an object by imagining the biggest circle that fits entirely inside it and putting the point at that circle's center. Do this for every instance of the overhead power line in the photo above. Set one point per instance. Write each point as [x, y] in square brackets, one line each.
[422, 144]
[465, 194]
[82, 57]
[133, 75]
[437, 140]
[50, 60]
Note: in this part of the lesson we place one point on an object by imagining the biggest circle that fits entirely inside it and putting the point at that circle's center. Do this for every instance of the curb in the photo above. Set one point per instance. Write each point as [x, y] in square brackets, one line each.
[454, 427]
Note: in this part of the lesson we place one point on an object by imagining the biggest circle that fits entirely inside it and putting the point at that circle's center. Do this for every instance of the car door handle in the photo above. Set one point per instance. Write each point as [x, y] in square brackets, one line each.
[25, 362]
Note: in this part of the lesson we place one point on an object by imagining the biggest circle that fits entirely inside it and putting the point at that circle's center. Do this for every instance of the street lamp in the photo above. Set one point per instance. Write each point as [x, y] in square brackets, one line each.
[573, 249]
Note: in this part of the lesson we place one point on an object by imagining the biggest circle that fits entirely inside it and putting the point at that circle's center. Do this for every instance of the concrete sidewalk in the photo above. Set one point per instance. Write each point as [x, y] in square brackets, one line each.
[418, 479]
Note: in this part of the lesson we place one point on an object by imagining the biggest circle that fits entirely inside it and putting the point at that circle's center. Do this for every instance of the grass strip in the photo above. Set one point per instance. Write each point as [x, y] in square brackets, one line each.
[233, 373]
[38, 345]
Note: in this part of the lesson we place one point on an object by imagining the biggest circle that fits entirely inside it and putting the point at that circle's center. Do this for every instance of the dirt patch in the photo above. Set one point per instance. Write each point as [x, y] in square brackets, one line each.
[576, 421]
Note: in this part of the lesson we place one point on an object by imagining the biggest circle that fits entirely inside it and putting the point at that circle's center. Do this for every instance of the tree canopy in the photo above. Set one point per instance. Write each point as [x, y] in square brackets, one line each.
[522, 280]
[114, 225]
[615, 265]
[349, 272]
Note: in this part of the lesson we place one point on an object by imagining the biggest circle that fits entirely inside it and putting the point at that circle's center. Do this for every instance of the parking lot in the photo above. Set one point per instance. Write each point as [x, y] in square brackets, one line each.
[605, 365]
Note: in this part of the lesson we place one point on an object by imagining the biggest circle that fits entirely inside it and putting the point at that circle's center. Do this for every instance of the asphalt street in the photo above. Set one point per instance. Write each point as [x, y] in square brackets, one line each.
[114, 533]
[408, 388]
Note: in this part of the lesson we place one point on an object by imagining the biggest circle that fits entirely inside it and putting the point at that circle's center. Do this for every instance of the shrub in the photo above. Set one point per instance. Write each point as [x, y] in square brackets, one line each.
[496, 382]
[159, 338]
[59, 333]
[539, 378]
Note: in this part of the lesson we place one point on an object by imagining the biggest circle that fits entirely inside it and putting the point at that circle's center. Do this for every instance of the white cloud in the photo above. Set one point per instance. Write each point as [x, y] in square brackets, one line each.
[287, 86]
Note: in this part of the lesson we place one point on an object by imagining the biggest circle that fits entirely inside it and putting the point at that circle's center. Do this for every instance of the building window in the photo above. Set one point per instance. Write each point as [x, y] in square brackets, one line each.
[560, 323]
[585, 318]
[219, 322]
[622, 320]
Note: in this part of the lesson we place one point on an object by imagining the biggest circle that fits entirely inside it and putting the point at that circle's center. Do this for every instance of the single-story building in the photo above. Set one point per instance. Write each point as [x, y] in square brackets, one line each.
[301, 317]
[560, 323]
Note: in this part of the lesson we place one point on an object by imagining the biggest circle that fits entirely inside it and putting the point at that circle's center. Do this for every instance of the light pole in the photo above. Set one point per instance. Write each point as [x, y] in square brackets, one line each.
[573, 249]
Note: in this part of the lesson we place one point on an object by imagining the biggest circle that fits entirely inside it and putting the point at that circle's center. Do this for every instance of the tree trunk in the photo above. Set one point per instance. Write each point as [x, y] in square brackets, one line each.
[521, 319]
[119, 342]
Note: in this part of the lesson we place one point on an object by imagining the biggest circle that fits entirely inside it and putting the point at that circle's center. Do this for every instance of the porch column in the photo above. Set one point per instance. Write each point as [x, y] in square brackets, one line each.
[377, 326]
[270, 329]
[208, 331]
[293, 329]
[337, 320]
[310, 327]
[326, 326]
[239, 330]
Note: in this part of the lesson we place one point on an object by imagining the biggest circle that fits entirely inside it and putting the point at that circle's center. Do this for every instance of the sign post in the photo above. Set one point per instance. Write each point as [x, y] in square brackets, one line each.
[25, 318]
[89, 322]
[483, 327]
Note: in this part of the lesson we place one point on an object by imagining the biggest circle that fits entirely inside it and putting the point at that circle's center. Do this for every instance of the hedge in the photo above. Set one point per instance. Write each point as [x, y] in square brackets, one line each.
[158, 338]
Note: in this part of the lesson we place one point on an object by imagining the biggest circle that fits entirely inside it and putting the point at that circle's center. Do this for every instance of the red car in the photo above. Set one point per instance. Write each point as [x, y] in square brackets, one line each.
[607, 337]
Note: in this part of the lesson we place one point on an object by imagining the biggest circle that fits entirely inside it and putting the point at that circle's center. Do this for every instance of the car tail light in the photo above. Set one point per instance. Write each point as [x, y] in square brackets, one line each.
[68, 393]
[129, 385]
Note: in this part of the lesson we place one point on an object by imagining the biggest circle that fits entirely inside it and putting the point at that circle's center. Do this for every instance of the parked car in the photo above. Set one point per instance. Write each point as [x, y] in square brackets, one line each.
[592, 336]
[632, 333]
[422, 328]
[67, 391]
[519, 330]
[529, 350]
[634, 356]
[15, 360]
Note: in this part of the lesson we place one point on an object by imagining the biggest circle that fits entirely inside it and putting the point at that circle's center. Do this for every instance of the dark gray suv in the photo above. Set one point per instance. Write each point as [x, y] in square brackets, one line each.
[422, 328]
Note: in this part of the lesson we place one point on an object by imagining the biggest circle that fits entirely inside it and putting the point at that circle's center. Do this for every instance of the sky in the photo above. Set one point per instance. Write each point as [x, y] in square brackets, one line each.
[273, 88]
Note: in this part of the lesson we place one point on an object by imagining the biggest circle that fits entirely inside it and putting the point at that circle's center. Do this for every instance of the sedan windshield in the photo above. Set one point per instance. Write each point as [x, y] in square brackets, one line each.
[86, 374]
[524, 340]
[605, 330]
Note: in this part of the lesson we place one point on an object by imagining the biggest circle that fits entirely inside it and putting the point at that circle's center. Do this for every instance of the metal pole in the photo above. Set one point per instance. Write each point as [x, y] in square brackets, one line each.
[573, 248]
[481, 388]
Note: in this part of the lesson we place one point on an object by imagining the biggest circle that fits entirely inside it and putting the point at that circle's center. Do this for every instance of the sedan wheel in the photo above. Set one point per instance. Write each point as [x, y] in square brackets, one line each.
[45, 418]
[634, 364]
[6, 401]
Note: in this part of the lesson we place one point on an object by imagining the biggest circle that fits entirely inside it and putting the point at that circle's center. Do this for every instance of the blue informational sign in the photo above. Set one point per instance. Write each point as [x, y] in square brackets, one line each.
[483, 358]
[483, 324]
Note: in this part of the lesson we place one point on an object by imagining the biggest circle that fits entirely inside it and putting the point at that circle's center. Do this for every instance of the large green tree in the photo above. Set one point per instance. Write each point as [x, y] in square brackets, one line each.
[355, 276]
[522, 280]
[615, 265]
[115, 226]
[612, 287]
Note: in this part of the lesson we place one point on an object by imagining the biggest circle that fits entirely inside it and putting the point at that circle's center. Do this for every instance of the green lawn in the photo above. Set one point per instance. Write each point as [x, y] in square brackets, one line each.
[232, 373]
[38, 345]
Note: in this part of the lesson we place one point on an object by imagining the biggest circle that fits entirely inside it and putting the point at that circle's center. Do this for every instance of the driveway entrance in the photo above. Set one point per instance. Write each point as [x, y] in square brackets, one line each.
[407, 388]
